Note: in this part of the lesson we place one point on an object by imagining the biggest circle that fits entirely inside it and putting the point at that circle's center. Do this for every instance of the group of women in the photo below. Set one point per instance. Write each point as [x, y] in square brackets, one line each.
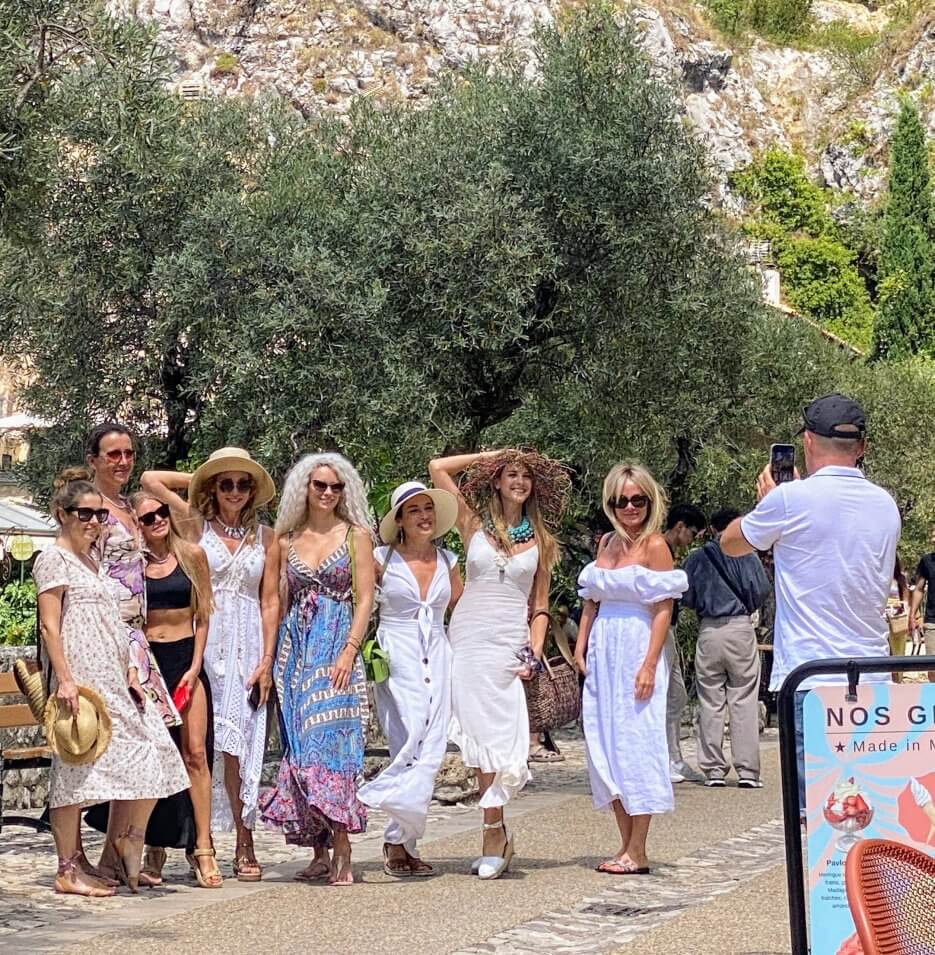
[183, 611]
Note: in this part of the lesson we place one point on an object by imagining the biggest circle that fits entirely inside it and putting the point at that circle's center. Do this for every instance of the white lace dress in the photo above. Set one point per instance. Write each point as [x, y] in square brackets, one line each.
[414, 704]
[628, 756]
[141, 761]
[233, 651]
[488, 628]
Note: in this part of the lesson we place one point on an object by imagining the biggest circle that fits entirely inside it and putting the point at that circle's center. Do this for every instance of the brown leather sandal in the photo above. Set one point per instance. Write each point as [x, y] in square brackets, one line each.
[214, 879]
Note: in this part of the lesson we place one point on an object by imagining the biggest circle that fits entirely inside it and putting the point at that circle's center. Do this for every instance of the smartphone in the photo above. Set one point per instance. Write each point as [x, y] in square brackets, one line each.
[254, 698]
[782, 462]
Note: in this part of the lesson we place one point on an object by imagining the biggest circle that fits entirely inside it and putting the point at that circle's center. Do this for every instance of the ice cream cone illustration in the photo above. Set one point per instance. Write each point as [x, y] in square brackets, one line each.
[923, 799]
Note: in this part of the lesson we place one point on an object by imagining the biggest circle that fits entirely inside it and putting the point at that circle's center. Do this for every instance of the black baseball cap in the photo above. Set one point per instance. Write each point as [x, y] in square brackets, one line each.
[835, 416]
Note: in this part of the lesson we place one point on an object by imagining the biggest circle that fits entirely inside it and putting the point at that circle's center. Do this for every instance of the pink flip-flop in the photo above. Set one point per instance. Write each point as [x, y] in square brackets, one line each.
[615, 867]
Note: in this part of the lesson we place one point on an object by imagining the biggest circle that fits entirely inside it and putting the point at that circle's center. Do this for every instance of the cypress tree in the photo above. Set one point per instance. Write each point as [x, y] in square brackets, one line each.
[905, 321]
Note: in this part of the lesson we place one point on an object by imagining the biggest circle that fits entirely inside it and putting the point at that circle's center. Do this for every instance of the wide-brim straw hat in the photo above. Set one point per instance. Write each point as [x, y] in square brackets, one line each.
[446, 509]
[551, 482]
[82, 738]
[233, 459]
[32, 686]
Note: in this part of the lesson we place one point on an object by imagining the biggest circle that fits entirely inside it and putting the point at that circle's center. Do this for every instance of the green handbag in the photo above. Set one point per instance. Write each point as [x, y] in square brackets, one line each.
[376, 659]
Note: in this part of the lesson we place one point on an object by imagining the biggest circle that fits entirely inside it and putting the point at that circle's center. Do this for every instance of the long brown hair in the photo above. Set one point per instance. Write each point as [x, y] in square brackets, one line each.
[69, 486]
[546, 540]
[189, 557]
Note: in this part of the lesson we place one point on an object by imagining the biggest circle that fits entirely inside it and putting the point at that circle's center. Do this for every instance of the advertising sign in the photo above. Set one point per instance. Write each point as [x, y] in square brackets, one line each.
[870, 774]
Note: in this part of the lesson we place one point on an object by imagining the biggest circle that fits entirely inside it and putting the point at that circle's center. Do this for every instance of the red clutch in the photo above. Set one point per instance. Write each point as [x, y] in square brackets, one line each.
[182, 696]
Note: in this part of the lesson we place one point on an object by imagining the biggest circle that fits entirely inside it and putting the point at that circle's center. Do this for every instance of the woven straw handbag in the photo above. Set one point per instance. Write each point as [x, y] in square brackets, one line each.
[552, 696]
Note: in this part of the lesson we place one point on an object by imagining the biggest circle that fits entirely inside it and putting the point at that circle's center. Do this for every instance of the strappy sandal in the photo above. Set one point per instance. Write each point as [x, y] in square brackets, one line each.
[341, 864]
[396, 867]
[417, 867]
[307, 875]
[243, 862]
[492, 867]
[66, 880]
[154, 858]
[543, 755]
[128, 865]
[214, 879]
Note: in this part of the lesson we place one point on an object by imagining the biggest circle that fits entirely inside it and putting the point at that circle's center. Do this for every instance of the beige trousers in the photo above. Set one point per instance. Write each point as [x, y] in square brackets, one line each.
[676, 697]
[727, 675]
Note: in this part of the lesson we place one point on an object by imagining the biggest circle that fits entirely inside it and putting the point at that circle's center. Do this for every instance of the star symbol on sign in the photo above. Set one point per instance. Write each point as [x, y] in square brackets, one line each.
[840, 747]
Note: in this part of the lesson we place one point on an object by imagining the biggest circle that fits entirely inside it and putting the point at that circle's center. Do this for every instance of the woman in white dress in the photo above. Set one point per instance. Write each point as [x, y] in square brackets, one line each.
[243, 555]
[86, 643]
[507, 504]
[418, 582]
[628, 593]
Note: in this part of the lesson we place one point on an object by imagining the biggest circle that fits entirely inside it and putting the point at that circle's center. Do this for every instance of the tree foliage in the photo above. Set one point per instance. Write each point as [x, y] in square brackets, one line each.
[906, 323]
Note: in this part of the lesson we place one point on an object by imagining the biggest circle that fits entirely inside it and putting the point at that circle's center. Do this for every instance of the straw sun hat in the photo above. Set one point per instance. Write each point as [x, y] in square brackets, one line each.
[550, 478]
[446, 509]
[82, 738]
[233, 459]
[31, 685]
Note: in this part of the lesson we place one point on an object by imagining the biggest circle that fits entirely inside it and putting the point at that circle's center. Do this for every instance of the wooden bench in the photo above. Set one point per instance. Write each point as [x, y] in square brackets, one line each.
[33, 757]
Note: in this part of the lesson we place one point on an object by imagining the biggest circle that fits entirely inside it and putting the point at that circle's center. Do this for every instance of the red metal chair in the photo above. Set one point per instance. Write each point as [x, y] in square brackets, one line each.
[891, 893]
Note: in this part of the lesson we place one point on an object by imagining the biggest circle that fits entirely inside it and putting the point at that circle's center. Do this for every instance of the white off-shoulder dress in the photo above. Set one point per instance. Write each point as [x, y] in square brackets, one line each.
[628, 757]
[414, 704]
[488, 628]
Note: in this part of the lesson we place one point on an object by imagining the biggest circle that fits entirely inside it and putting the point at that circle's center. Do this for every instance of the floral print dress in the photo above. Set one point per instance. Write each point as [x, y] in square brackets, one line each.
[323, 729]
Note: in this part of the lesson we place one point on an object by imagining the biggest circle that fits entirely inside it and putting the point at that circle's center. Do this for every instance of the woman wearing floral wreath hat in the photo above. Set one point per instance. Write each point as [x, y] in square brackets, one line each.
[510, 501]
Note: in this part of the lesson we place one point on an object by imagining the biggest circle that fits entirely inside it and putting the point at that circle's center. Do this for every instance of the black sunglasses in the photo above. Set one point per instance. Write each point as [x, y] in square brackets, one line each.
[227, 485]
[322, 486]
[150, 517]
[85, 514]
[639, 501]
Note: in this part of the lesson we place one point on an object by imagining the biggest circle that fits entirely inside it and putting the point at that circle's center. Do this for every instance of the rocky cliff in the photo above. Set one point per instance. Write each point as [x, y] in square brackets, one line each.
[321, 54]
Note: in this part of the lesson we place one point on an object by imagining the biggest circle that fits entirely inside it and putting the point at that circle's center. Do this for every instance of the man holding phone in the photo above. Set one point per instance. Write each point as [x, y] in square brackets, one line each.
[834, 539]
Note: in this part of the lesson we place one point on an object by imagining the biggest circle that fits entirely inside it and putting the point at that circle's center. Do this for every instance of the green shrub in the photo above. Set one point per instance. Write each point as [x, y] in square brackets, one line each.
[820, 279]
[225, 65]
[18, 614]
[856, 55]
[780, 19]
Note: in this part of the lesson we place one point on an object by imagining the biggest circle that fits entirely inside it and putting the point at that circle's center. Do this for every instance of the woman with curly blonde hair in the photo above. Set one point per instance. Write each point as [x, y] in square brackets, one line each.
[509, 503]
[221, 516]
[619, 649]
[325, 541]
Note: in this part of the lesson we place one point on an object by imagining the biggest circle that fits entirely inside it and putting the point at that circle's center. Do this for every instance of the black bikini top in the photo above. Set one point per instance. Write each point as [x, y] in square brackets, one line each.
[169, 593]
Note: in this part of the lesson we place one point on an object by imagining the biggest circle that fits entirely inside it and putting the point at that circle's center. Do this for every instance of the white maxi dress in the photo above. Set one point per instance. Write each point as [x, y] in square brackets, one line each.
[414, 704]
[488, 628]
[233, 651]
[628, 756]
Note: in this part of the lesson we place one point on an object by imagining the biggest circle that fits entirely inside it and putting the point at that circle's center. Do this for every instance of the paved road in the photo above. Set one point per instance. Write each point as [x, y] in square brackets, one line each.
[718, 888]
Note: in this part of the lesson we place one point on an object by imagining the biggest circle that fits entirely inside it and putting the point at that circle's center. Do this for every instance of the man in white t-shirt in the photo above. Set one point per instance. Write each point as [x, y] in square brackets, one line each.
[834, 539]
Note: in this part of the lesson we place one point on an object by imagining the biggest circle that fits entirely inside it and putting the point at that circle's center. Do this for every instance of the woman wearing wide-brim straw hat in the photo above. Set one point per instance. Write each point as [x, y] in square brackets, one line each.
[510, 504]
[418, 581]
[108, 740]
[220, 515]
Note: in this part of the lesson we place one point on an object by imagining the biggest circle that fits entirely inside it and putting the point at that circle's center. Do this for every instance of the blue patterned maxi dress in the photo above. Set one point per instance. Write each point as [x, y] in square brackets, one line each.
[323, 729]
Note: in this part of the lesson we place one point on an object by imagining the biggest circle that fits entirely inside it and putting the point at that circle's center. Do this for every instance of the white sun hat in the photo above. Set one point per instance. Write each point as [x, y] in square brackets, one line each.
[446, 509]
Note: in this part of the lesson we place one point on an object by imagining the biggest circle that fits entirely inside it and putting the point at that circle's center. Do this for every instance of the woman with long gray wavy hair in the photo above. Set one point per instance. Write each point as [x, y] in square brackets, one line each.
[327, 580]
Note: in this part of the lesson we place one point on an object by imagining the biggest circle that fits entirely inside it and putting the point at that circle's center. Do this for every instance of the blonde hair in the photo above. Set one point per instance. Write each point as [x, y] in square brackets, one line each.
[187, 556]
[547, 542]
[206, 504]
[618, 475]
[353, 507]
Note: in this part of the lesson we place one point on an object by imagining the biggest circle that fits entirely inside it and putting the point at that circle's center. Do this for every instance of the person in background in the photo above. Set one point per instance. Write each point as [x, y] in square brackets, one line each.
[683, 524]
[924, 590]
[725, 592]
[566, 625]
[834, 538]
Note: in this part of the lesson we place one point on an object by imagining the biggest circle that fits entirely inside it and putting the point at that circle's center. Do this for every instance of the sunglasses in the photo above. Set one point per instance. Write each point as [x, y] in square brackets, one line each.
[322, 486]
[120, 454]
[227, 485]
[86, 514]
[150, 517]
[638, 501]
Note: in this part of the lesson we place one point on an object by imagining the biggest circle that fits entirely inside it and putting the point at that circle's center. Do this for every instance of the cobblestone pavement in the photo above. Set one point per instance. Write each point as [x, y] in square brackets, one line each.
[631, 906]
[33, 918]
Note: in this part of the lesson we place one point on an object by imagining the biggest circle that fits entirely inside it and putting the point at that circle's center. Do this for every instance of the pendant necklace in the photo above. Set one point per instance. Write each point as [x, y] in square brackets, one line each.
[234, 533]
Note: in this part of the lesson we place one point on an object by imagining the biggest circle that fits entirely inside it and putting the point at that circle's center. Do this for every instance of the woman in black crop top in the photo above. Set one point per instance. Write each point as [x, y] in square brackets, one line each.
[178, 604]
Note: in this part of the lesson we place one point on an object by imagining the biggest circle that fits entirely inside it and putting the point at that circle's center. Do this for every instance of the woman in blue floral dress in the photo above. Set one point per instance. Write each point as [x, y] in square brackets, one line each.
[327, 555]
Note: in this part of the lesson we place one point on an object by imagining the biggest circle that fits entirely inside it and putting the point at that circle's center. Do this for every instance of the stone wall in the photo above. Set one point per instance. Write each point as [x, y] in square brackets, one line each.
[28, 788]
